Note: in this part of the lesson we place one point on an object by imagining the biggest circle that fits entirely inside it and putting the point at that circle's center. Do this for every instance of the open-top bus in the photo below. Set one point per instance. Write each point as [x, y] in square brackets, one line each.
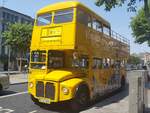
[75, 55]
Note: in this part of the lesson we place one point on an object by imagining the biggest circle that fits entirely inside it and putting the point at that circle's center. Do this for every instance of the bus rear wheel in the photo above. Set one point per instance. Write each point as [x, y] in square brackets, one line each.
[81, 99]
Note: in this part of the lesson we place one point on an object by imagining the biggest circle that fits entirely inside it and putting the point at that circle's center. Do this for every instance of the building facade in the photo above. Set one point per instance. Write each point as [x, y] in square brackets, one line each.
[145, 57]
[10, 16]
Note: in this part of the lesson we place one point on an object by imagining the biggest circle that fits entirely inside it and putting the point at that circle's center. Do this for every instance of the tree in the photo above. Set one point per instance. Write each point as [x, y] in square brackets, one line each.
[140, 27]
[18, 37]
[134, 60]
[109, 4]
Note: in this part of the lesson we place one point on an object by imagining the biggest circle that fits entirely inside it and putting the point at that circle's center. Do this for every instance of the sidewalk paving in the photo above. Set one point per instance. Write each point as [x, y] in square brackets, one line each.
[18, 78]
[115, 104]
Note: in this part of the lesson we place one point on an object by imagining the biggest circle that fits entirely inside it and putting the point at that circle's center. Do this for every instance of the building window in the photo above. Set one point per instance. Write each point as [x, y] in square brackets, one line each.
[4, 15]
[16, 18]
[4, 27]
[8, 16]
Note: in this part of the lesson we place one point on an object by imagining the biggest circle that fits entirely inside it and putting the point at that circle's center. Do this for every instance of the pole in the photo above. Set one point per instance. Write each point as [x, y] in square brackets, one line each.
[8, 59]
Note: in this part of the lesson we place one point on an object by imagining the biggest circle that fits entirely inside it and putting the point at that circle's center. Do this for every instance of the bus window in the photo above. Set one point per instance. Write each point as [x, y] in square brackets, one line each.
[94, 63]
[90, 21]
[106, 30]
[44, 19]
[84, 18]
[38, 56]
[63, 16]
[38, 59]
[94, 24]
[97, 63]
[55, 59]
[84, 62]
[97, 25]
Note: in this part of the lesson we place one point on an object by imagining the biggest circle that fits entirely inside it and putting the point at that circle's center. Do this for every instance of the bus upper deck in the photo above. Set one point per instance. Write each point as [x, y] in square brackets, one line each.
[66, 25]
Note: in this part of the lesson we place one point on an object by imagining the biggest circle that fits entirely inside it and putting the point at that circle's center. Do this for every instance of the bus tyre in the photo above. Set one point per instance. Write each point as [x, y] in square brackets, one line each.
[81, 99]
[123, 82]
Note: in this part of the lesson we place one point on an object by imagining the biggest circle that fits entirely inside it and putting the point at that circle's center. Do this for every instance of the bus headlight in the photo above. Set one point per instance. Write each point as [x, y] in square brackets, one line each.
[31, 85]
[65, 90]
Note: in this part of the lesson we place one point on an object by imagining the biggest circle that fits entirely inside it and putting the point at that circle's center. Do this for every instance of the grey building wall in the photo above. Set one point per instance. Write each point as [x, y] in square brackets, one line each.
[10, 16]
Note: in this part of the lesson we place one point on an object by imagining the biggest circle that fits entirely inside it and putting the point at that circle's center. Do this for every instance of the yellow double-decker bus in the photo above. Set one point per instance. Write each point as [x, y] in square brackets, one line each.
[75, 56]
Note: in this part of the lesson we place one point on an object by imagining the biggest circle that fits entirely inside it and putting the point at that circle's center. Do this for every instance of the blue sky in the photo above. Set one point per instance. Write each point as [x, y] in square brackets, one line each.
[118, 17]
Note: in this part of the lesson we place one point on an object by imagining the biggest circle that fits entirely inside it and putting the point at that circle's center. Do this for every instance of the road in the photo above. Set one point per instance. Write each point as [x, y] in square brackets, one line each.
[16, 100]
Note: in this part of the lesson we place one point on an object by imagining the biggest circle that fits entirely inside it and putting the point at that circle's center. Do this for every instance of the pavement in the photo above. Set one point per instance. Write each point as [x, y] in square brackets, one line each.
[18, 78]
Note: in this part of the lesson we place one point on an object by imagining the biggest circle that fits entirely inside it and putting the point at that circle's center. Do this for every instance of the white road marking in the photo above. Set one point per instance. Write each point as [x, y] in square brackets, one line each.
[33, 111]
[6, 110]
[13, 94]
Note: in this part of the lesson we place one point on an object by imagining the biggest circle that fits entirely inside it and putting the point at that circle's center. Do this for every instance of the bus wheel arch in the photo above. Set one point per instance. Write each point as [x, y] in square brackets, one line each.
[81, 97]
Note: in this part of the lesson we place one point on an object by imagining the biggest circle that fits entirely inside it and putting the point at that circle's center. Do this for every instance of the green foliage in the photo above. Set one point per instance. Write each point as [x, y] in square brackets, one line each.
[18, 36]
[141, 28]
[109, 4]
[134, 60]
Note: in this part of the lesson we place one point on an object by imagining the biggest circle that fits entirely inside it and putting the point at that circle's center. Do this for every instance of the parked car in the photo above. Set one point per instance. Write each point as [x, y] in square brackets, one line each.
[4, 81]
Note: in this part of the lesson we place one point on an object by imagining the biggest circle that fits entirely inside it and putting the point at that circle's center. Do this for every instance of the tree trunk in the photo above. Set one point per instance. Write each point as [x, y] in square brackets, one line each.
[20, 63]
[146, 9]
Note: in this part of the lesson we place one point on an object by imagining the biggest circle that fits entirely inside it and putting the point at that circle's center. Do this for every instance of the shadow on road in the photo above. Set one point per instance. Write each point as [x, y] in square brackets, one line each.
[112, 98]
[6, 92]
[100, 102]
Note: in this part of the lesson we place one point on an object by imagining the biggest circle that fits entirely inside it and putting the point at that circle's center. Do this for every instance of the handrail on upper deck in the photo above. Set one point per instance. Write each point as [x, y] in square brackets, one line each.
[119, 37]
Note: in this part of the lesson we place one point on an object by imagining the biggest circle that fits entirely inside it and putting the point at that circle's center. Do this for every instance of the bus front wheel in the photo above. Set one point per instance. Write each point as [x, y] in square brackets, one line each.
[81, 99]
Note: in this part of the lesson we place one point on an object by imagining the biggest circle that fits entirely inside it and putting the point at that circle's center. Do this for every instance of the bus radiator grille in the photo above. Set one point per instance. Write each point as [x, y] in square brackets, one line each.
[40, 89]
[50, 91]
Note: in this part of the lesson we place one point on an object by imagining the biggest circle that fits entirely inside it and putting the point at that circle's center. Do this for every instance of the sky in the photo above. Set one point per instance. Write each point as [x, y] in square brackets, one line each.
[118, 17]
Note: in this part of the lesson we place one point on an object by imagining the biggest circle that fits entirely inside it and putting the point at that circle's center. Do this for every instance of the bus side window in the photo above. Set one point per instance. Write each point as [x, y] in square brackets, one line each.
[112, 63]
[84, 62]
[97, 25]
[94, 24]
[89, 21]
[99, 63]
[106, 30]
[84, 18]
[106, 63]
[94, 63]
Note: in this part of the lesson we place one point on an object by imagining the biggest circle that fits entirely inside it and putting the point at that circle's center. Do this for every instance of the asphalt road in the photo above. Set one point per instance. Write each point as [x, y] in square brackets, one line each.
[16, 100]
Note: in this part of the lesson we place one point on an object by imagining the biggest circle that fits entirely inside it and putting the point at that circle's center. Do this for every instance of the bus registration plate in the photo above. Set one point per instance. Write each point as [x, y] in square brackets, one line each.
[45, 100]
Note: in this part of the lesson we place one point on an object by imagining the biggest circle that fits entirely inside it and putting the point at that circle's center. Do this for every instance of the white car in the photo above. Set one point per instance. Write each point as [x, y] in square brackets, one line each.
[4, 81]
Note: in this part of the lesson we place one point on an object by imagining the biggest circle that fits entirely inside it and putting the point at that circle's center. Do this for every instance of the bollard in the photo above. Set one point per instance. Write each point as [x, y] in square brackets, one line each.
[137, 91]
